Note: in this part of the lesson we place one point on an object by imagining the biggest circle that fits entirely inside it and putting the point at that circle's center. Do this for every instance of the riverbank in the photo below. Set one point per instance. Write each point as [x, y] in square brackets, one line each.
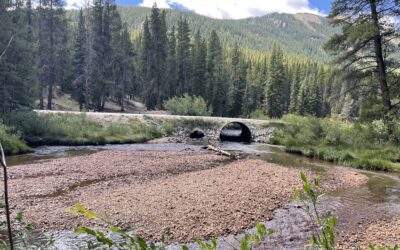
[31, 129]
[196, 194]
[358, 145]
[57, 128]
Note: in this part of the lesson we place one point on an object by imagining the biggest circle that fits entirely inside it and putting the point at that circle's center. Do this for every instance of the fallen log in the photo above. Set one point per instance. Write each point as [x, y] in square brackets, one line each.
[218, 150]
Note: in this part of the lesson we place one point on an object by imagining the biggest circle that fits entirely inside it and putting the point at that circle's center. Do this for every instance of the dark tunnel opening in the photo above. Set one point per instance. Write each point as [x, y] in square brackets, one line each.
[235, 132]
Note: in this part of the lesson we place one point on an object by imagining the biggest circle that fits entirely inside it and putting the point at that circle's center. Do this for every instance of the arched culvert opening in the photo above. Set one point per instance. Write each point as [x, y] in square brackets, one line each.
[197, 134]
[235, 131]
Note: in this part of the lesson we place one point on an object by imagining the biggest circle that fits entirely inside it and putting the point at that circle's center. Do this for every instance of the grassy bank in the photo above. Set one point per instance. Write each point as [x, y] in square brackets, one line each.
[359, 145]
[11, 141]
[66, 129]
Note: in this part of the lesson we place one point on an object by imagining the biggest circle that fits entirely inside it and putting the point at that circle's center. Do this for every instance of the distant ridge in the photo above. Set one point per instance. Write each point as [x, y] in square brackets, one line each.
[300, 34]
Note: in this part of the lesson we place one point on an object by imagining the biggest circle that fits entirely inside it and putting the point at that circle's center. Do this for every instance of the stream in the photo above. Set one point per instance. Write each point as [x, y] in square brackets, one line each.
[379, 198]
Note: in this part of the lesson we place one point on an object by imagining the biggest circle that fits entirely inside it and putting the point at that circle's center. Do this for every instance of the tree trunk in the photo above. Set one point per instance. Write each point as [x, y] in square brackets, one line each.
[123, 88]
[88, 58]
[41, 98]
[51, 61]
[381, 66]
[381, 70]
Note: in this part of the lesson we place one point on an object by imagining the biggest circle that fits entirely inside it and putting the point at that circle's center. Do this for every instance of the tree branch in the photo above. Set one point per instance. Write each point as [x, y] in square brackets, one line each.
[8, 45]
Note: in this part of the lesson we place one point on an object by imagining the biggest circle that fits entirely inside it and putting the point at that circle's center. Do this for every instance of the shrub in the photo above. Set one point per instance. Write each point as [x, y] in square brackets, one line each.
[299, 131]
[11, 141]
[259, 114]
[188, 105]
[361, 145]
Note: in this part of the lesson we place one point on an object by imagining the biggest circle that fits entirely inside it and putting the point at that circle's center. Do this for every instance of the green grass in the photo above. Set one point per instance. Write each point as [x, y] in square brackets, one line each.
[11, 141]
[33, 129]
[359, 145]
[68, 129]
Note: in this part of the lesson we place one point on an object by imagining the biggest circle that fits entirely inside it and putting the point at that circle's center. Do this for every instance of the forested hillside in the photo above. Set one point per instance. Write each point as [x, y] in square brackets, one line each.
[265, 66]
[300, 34]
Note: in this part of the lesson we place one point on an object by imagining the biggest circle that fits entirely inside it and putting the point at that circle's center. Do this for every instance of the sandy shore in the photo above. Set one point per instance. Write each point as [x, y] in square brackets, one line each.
[196, 195]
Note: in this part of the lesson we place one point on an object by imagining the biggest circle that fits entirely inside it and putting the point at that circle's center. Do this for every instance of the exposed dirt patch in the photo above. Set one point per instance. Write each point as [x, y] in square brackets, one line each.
[205, 203]
[383, 233]
[197, 195]
[342, 178]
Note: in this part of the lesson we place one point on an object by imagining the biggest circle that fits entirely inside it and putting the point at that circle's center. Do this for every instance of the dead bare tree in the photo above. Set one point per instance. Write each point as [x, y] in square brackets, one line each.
[5, 50]
[7, 206]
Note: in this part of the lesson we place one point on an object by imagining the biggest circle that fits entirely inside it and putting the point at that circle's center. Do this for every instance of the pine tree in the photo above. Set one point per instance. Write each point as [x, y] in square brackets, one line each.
[295, 89]
[237, 83]
[199, 66]
[145, 58]
[215, 75]
[260, 81]
[54, 28]
[276, 86]
[172, 75]
[123, 63]
[157, 62]
[248, 97]
[63, 57]
[97, 68]
[16, 56]
[365, 44]
[183, 57]
[79, 62]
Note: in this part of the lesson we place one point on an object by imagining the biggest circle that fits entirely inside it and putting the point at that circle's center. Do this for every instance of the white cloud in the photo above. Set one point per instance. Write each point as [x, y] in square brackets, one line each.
[77, 4]
[164, 4]
[236, 9]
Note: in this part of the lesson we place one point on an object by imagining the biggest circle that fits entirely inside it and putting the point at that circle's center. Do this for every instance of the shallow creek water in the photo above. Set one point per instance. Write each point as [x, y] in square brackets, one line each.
[378, 198]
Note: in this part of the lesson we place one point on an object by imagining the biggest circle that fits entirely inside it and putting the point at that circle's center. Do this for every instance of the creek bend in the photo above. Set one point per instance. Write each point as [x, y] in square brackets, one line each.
[375, 199]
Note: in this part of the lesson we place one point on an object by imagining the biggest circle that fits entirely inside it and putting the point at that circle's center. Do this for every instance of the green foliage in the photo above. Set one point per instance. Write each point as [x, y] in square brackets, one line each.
[360, 145]
[259, 33]
[275, 89]
[324, 236]
[259, 114]
[11, 141]
[23, 234]
[69, 129]
[188, 105]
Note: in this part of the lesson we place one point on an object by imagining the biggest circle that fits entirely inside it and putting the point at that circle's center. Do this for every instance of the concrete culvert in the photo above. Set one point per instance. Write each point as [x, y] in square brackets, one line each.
[235, 131]
[197, 134]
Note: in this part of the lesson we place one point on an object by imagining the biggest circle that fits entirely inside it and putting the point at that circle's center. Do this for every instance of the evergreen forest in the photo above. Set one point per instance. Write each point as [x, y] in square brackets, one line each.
[265, 66]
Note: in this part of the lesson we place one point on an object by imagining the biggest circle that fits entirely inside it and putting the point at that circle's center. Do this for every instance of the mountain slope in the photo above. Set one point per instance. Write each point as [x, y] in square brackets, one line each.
[300, 34]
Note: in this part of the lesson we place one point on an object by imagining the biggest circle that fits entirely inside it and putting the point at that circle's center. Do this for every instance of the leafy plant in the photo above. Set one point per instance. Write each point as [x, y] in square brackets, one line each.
[24, 236]
[324, 236]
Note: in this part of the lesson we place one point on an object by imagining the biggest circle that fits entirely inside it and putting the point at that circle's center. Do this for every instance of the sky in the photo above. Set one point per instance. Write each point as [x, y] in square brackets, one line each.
[232, 9]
